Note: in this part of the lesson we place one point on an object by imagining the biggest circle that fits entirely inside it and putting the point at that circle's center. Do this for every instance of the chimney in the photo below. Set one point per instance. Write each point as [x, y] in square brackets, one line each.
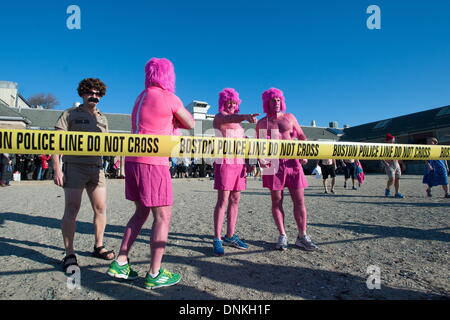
[333, 124]
[313, 123]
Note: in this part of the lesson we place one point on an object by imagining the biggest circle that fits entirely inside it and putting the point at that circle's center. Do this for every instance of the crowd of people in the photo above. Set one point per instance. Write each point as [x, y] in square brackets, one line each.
[40, 167]
[204, 168]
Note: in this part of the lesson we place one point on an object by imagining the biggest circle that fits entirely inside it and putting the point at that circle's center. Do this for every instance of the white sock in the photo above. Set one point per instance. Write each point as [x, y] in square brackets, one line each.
[122, 263]
[154, 275]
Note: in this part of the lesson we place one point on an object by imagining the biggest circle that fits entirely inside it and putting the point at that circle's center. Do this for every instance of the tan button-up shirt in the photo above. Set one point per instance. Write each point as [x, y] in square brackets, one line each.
[79, 119]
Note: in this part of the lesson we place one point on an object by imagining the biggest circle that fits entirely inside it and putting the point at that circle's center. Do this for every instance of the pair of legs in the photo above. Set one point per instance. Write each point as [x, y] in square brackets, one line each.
[226, 201]
[160, 233]
[353, 182]
[444, 187]
[333, 182]
[298, 199]
[97, 197]
[393, 180]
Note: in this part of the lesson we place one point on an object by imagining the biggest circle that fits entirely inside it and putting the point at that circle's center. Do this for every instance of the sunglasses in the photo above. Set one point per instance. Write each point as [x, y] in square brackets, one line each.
[91, 93]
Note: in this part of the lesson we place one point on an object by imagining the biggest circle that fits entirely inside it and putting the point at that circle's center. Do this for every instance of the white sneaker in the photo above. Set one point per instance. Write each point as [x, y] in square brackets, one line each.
[282, 242]
[305, 243]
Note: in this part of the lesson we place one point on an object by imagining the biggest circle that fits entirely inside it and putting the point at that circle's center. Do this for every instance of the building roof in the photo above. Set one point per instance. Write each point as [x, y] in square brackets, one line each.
[10, 114]
[414, 122]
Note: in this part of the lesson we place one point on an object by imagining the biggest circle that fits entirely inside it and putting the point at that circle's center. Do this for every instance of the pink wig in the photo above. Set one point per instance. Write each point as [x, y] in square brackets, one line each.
[160, 72]
[270, 94]
[228, 94]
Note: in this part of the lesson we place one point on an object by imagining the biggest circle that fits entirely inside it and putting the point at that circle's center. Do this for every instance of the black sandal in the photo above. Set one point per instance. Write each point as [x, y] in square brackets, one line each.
[103, 255]
[70, 260]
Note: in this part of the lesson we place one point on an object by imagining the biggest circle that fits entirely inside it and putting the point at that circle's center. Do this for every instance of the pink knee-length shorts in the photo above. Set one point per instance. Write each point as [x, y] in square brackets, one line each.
[289, 175]
[149, 184]
[229, 177]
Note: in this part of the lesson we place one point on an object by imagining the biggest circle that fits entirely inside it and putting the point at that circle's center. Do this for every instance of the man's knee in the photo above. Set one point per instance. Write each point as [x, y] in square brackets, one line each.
[71, 210]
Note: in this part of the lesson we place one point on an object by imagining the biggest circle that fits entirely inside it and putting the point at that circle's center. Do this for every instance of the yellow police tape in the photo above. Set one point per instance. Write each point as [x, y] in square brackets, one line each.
[88, 143]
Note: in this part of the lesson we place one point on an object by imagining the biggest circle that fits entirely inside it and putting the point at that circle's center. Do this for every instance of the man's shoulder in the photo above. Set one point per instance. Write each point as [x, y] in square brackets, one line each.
[261, 120]
[69, 110]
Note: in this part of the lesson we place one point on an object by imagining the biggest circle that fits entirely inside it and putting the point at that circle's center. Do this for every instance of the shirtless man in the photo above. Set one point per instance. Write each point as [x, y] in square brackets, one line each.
[349, 172]
[281, 173]
[229, 174]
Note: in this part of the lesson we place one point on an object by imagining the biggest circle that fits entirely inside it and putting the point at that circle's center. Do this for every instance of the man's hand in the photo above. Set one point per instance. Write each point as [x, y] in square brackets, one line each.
[58, 178]
[263, 164]
[252, 117]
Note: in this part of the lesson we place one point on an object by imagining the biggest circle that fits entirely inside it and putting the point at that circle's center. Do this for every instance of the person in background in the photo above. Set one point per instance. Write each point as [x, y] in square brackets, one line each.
[359, 172]
[393, 171]
[6, 170]
[349, 172]
[436, 173]
[329, 170]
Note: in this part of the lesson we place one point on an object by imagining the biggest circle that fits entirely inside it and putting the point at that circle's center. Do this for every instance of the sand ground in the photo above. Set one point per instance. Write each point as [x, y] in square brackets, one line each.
[407, 239]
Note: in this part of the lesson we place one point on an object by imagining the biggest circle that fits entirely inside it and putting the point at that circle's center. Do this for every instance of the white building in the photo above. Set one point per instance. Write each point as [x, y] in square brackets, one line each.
[10, 96]
[199, 110]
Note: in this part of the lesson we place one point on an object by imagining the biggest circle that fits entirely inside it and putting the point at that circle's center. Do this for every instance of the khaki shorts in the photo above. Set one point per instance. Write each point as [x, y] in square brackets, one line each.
[80, 176]
[393, 172]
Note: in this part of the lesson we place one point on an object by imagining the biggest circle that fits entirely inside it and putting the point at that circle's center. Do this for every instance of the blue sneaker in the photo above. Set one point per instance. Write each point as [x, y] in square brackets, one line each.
[218, 248]
[399, 195]
[234, 241]
[387, 192]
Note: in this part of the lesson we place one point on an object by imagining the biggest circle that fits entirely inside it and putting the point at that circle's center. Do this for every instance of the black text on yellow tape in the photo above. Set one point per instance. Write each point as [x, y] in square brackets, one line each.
[84, 143]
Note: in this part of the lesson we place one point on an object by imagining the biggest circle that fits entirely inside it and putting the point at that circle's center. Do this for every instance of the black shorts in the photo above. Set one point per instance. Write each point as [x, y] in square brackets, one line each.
[328, 170]
[349, 170]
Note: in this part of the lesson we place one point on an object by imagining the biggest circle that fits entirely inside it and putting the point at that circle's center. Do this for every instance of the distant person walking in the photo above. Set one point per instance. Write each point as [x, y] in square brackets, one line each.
[359, 172]
[349, 172]
[328, 167]
[6, 170]
[393, 171]
[436, 173]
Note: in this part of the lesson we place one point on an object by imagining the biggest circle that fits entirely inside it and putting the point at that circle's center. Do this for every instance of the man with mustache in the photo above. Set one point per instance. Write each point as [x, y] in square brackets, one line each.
[83, 172]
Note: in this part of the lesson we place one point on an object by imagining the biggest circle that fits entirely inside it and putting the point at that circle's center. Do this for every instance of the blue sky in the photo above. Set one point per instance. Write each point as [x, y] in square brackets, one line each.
[330, 66]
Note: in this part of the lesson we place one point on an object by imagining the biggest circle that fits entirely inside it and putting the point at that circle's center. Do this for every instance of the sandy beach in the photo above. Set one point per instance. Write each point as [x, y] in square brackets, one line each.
[407, 239]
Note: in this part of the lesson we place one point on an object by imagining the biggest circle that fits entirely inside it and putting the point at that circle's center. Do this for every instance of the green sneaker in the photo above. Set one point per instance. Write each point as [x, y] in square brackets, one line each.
[164, 279]
[122, 272]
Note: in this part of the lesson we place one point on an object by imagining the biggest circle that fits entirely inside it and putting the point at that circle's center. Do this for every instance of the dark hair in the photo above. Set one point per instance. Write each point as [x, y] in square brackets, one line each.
[89, 84]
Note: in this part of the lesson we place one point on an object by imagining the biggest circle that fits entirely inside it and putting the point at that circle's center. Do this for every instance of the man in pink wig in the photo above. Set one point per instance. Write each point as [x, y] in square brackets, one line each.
[157, 111]
[229, 173]
[281, 173]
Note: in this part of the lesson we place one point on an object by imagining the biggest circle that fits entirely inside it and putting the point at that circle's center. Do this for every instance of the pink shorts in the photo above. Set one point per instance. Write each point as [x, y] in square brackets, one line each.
[149, 184]
[289, 175]
[229, 177]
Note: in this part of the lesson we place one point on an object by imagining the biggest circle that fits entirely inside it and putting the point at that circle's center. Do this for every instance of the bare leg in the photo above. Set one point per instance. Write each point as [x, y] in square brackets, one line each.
[97, 196]
[68, 223]
[298, 198]
[277, 210]
[160, 234]
[233, 210]
[132, 230]
[396, 184]
[219, 212]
